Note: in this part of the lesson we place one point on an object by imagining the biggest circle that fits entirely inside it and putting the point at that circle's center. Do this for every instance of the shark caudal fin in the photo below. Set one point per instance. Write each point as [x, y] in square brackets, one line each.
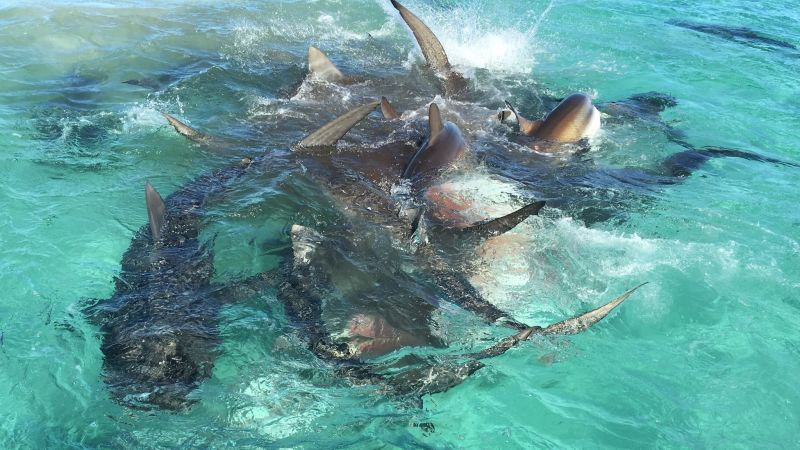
[496, 227]
[682, 164]
[432, 50]
[330, 133]
[432, 379]
[526, 126]
[388, 110]
[574, 325]
[156, 211]
[185, 130]
[580, 323]
[321, 67]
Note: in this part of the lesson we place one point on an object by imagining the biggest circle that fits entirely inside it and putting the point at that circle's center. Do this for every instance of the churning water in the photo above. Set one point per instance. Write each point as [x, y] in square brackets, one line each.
[706, 355]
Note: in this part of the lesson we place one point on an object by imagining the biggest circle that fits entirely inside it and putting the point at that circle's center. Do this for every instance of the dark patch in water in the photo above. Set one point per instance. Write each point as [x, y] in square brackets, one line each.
[427, 428]
[741, 35]
[75, 128]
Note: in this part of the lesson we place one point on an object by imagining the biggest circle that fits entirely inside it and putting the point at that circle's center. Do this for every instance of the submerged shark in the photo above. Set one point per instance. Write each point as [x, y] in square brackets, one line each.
[736, 34]
[159, 328]
[394, 312]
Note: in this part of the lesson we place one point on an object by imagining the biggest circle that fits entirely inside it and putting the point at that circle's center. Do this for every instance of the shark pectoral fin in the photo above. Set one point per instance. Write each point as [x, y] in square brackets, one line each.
[582, 322]
[526, 126]
[156, 211]
[388, 110]
[185, 130]
[331, 132]
[503, 224]
[434, 121]
[321, 67]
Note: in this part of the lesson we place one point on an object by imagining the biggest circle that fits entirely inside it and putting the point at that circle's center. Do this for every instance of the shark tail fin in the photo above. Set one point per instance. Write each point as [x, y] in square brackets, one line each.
[570, 326]
[526, 126]
[682, 164]
[388, 110]
[321, 67]
[330, 133]
[503, 224]
[432, 379]
[431, 47]
[434, 120]
[582, 322]
[156, 211]
[441, 377]
[185, 130]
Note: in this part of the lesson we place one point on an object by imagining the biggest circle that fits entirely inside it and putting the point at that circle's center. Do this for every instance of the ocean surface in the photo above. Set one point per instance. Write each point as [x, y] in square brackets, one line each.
[707, 355]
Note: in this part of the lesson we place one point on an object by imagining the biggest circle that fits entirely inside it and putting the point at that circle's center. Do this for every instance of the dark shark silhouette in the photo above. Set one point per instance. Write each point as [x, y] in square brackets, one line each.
[159, 328]
[736, 34]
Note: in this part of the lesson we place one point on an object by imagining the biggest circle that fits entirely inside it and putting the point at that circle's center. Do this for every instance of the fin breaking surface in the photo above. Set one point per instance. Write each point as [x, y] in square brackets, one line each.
[322, 67]
[331, 132]
[156, 210]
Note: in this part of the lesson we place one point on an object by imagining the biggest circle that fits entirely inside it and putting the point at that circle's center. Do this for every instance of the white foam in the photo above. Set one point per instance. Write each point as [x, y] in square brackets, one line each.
[147, 115]
[276, 410]
[473, 40]
[568, 262]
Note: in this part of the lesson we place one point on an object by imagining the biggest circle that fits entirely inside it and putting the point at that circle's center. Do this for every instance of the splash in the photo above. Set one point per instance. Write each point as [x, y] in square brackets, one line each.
[485, 34]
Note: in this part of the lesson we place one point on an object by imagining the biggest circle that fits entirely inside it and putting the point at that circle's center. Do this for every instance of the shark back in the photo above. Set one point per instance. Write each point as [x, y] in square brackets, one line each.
[159, 328]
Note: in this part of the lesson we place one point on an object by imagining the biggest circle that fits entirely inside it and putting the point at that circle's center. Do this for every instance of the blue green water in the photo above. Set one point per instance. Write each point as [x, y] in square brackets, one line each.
[706, 355]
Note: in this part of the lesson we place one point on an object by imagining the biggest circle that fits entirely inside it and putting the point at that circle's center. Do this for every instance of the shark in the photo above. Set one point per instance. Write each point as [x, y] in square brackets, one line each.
[350, 315]
[320, 271]
[744, 35]
[159, 329]
[567, 127]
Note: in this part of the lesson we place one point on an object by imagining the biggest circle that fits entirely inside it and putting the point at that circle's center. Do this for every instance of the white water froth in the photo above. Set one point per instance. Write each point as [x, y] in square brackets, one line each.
[147, 115]
[544, 269]
[472, 39]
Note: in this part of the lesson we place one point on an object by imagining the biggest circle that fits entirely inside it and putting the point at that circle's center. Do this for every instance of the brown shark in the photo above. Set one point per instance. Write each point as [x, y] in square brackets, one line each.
[575, 118]
[321, 68]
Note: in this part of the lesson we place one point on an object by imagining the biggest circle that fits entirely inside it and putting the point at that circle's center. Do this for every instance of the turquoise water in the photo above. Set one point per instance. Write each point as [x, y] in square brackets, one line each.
[706, 355]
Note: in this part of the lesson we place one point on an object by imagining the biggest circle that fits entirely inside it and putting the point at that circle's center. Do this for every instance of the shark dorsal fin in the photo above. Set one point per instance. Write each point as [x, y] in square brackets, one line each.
[503, 224]
[185, 130]
[432, 49]
[321, 67]
[328, 134]
[526, 126]
[434, 120]
[156, 210]
[388, 110]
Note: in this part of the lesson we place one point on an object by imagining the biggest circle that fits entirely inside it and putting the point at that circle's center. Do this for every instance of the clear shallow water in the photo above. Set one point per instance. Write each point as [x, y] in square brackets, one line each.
[705, 356]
